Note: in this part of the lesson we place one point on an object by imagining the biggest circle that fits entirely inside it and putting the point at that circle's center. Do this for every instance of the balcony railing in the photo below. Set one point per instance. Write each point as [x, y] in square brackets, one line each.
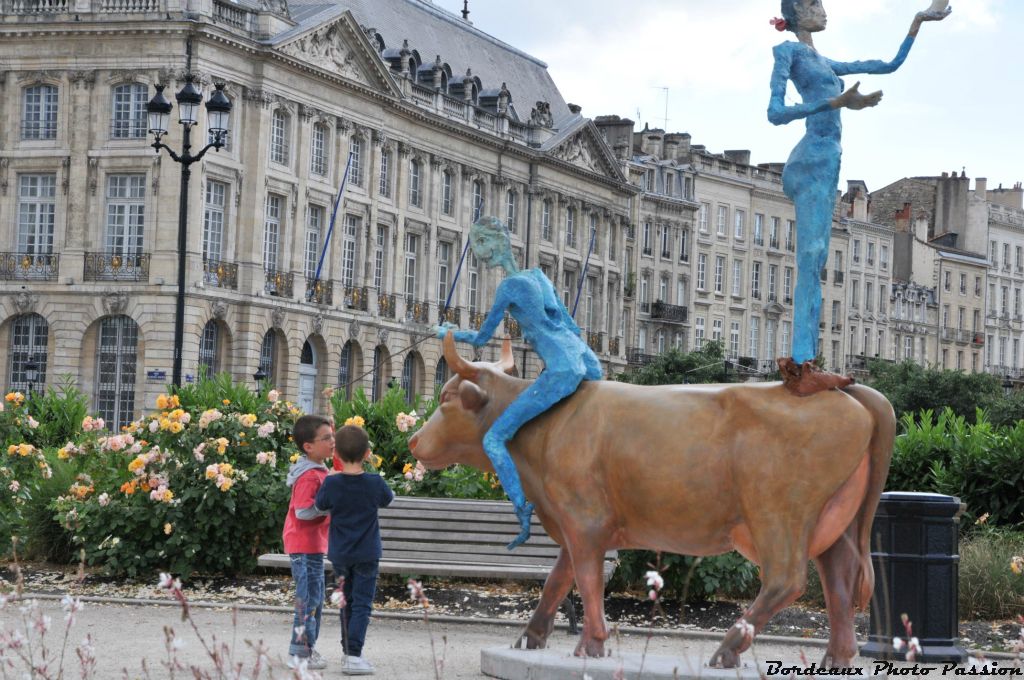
[356, 297]
[278, 283]
[417, 311]
[476, 319]
[37, 6]
[220, 274]
[513, 328]
[635, 356]
[108, 267]
[773, 243]
[29, 266]
[596, 341]
[613, 346]
[451, 315]
[386, 305]
[320, 292]
[666, 312]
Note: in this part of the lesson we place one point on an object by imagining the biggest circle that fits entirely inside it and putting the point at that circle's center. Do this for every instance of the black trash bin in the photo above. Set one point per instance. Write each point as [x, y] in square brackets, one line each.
[915, 554]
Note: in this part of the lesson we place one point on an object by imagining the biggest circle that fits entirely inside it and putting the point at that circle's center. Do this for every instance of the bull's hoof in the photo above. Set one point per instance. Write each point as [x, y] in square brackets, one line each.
[833, 661]
[806, 379]
[590, 647]
[724, 657]
[531, 639]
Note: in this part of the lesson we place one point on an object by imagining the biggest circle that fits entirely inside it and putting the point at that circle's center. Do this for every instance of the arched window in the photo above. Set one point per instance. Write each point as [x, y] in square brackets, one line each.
[28, 342]
[345, 370]
[415, 189]
[318, 150]
[39, 112]
[267, 354]
[279, 142]
[116, 358]
[128, 109]
[381, 370]
[440, 374]
[208, 346]
[409, 385]
[478, 200]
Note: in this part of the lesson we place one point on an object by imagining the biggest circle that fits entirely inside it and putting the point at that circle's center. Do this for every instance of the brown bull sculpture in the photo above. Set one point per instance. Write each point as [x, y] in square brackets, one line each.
[695, 470]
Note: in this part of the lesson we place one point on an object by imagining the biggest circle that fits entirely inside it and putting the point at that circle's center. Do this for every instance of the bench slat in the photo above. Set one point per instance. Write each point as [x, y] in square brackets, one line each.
[484, 539]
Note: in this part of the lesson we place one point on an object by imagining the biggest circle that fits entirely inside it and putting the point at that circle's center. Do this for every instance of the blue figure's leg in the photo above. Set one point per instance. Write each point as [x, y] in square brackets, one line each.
[814, 226]
[545, 392]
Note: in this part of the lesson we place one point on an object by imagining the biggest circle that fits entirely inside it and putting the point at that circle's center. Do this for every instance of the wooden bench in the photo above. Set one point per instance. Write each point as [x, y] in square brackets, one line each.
[460, 538]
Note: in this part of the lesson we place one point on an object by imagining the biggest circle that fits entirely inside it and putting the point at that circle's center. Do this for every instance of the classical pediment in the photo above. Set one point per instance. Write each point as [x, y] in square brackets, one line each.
[339, 47]
[585, 149]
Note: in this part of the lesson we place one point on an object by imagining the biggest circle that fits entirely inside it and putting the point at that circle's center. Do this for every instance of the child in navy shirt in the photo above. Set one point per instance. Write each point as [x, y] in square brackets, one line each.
[353, 546]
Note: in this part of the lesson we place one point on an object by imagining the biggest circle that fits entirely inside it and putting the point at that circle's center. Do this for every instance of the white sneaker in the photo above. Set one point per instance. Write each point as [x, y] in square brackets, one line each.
[316, 662]
[356, 665]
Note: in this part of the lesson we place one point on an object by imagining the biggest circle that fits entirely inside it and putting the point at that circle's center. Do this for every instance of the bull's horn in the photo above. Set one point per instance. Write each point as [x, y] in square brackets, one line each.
[462, 368]
[507, 363]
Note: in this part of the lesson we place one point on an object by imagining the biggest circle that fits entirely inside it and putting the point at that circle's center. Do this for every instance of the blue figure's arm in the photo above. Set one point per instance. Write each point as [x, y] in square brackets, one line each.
[873, 66]
[778, 112]
[508, 290]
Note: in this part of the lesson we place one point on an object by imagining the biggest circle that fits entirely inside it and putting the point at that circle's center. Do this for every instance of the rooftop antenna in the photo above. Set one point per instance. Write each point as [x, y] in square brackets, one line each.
[665, 119]
[465, 10]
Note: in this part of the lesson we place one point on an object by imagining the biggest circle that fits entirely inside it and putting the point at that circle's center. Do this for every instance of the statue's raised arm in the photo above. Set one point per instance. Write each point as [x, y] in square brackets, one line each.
[811, 175]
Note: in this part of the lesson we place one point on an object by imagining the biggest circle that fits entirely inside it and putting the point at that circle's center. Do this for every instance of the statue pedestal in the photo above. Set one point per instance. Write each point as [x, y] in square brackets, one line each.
[559, 664]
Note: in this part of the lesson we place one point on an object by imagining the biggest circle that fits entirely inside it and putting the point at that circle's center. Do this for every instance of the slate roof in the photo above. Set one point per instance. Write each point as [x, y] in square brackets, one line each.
[433, 31]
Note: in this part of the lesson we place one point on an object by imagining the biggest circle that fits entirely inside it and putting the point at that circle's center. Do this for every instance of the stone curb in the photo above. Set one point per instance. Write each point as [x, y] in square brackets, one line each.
[449, 618]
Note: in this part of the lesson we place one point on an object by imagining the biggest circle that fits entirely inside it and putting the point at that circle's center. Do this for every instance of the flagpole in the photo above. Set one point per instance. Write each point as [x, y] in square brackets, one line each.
[330, 229]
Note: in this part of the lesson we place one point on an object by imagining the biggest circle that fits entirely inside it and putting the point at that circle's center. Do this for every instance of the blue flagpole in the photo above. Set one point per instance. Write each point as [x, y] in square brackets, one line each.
[579, 286]
[330, 229]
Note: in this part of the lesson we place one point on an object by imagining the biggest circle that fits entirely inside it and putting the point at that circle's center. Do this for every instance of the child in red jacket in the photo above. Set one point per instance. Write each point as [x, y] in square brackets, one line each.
[305, 536]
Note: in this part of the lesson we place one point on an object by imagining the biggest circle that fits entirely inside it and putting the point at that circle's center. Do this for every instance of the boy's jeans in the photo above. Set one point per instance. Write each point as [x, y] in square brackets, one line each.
[360, 588]
[308, 574]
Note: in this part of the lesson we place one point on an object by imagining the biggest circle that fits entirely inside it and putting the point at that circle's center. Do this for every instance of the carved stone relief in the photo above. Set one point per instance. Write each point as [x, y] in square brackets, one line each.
[25, 302]
[577, 151]
[353, 329]
[4, 165]
[94, 174]
[277, 318]
[115, 302]
[318, 324]
[327, 48]
[219, 309]
[83, 79]
[382, 335]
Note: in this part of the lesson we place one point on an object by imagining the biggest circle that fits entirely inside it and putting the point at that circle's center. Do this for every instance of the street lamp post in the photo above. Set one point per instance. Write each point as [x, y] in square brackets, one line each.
[259, 376]
[31, 373]
[218, 107]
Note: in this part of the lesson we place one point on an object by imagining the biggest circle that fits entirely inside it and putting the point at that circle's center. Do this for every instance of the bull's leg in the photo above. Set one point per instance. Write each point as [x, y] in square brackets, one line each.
[839, 568]
[783, 580]
[557, 585]
[587, 562]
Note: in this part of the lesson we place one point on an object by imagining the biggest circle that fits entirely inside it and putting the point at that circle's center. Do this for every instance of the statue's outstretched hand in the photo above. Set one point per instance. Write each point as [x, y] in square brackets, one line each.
[853, 99]
[938, 11]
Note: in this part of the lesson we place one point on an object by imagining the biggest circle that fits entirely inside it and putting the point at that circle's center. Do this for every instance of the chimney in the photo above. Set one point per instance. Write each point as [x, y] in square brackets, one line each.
[921, 227]
[981, 188]
[903, 218]
[860, 207]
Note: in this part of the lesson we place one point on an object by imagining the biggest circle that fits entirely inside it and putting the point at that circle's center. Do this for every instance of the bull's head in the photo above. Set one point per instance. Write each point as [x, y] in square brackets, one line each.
[471, 400]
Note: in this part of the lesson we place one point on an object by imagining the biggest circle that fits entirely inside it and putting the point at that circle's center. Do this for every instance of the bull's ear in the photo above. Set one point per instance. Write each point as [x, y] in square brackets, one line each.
[473, 398]
[507, 363]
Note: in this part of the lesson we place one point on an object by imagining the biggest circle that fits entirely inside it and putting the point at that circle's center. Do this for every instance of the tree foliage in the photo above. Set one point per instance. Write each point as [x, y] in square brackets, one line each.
[675, 367]
[912, 388]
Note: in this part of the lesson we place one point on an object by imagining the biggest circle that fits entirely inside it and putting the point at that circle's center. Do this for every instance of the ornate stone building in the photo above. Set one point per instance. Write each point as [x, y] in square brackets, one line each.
[441, 122]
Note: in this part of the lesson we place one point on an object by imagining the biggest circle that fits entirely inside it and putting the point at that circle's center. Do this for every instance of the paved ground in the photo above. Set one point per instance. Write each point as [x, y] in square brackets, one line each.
[126, 635]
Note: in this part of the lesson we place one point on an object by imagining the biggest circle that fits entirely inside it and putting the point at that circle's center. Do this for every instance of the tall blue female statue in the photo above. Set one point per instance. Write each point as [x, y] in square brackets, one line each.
[532, 301]
[811, 175]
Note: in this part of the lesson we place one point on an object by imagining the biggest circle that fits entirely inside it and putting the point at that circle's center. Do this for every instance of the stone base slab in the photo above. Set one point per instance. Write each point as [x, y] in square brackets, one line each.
[506, 663]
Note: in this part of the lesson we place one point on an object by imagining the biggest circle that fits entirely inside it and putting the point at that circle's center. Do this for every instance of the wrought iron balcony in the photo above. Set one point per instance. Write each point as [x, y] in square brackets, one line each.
[29, 266]
[635, 356]
[476, 319]
[320, 292]
[417, 311]
[386, 305]
[596, 341]
[356, 298]
[278, 283]
[613, 346]
[220, 274]
[110, 267]
[666, 312]
[512, 328]
[451, 315]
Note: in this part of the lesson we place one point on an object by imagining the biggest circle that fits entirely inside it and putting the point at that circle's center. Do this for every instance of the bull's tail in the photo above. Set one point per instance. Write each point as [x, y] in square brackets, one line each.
[880, 452]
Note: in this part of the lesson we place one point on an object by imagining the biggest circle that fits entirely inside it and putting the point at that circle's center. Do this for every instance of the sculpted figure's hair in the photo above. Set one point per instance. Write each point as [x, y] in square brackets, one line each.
[789, 14]
[489, 235]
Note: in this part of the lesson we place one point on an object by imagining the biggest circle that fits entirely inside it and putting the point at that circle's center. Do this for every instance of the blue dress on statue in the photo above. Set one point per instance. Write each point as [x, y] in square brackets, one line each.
[811, 175]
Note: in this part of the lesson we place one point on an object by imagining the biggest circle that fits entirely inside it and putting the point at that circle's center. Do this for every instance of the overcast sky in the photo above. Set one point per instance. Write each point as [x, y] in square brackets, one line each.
[957, 102]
